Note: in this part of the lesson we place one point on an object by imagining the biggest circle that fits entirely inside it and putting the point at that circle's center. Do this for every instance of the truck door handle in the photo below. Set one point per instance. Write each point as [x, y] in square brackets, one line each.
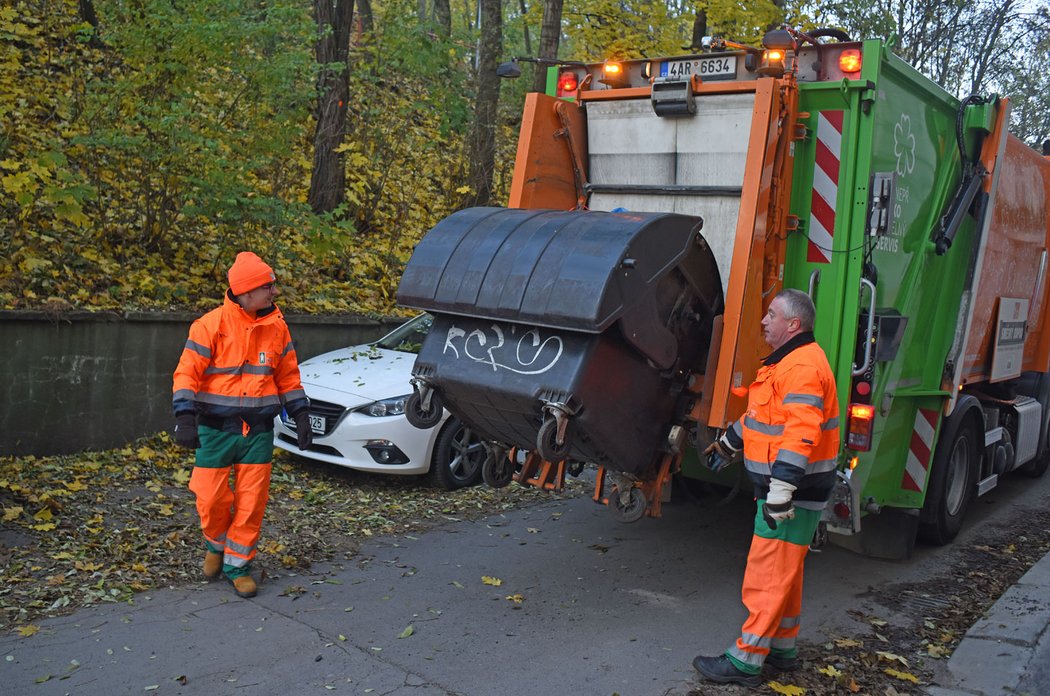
[870, 331]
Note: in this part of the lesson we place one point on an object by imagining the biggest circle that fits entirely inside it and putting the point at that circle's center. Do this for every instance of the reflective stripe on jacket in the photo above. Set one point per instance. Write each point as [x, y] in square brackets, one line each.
[235, 366]
[790, 430]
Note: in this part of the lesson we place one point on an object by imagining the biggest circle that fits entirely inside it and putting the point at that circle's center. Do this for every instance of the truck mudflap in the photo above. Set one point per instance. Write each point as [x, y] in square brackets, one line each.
[571, 334]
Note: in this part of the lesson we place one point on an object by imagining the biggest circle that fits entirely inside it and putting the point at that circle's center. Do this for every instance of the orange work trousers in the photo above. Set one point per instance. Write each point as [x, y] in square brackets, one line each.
[772, 589]
[231, 518]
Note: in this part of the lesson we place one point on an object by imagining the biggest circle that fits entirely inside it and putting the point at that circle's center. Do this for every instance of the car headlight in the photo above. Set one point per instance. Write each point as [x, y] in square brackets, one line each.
[386, 407]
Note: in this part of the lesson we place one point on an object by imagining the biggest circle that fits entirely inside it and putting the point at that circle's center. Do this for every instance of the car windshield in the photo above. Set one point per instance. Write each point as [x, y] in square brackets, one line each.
[407, 338]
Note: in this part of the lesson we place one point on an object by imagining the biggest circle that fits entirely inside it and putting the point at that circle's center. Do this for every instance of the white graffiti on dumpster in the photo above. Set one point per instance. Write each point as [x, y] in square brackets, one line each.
[522, 355]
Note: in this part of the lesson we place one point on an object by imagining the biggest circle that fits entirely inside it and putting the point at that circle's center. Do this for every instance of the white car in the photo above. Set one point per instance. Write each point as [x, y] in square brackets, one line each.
[357, 412]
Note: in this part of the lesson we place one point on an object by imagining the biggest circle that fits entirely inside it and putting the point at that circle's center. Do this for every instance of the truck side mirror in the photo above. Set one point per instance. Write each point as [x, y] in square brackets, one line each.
[509, 69]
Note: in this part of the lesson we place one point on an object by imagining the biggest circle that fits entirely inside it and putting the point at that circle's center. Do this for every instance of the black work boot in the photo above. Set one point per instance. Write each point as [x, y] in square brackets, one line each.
[783, 664]
[719, 669]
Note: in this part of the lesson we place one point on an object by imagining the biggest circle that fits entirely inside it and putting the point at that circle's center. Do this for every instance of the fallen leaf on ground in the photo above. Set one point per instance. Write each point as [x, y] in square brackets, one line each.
[891, 657]
[938, 651]
[904, 676]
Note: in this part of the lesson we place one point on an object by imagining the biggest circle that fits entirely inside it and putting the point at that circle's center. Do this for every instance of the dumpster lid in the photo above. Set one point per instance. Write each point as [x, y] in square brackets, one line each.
[576, 269]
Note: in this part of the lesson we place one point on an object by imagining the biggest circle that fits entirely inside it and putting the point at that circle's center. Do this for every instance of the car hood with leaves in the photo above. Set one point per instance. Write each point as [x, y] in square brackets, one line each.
[366, 373]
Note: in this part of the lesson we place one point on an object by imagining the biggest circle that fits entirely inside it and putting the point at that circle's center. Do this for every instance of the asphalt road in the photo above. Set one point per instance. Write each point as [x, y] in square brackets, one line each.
[603, 609]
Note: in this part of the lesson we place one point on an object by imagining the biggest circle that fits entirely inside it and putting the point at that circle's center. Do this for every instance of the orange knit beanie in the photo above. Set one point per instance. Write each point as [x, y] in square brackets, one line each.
[249, 272]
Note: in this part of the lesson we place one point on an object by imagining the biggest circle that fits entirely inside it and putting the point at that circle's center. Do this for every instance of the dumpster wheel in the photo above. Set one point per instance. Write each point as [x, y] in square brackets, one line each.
[424, 417]
[634, 508]
[547, 441]
[498, 469]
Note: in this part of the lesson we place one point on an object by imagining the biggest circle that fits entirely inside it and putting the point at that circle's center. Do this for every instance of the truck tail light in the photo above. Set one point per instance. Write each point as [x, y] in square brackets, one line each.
[861, 425]
[849, 60]
[567, 84]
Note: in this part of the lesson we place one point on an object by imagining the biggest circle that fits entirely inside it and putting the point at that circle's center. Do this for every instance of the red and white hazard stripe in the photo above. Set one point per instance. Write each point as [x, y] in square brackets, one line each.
[920, 451]
[825, 186]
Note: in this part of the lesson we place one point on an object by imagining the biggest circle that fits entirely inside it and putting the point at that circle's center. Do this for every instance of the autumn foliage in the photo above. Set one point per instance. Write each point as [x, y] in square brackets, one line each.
[137, 158]
[142, 144]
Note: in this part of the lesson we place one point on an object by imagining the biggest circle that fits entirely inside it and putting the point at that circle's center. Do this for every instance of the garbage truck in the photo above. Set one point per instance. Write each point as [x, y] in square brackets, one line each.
[610, 314]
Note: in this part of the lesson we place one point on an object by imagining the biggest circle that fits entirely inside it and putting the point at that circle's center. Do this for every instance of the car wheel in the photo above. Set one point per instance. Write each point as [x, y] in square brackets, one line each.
[458, 456]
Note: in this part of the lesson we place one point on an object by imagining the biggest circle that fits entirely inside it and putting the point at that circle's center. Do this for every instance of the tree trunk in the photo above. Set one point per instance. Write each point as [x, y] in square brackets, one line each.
[443, 17]
[525, 27]
[483, 138]
[87, 13]
[550, 34]
[366, 17]
[699, 31]
[328, 178]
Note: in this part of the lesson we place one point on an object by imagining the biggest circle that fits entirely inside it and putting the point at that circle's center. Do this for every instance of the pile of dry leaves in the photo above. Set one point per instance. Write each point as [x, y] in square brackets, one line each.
[96, 527]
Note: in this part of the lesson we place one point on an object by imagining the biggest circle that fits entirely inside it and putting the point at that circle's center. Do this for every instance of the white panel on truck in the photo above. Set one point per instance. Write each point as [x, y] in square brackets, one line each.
[629, 145]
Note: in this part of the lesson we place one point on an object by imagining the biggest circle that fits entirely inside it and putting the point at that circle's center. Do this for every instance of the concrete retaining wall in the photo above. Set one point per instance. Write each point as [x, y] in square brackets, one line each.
[96, 380]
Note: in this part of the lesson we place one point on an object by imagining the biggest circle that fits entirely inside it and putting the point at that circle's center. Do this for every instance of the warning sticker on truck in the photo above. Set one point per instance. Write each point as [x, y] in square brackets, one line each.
[1010, 333]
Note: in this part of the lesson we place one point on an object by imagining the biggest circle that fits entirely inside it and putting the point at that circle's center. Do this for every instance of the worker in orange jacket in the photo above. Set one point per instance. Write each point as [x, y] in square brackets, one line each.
[790, 441]
[237, 371]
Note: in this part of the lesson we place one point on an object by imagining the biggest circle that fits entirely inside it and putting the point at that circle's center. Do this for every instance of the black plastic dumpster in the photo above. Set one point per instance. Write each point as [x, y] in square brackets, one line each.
[572, 333]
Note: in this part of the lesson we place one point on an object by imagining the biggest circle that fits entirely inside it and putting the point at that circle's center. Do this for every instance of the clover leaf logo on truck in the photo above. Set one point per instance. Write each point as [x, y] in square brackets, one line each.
[904, 145]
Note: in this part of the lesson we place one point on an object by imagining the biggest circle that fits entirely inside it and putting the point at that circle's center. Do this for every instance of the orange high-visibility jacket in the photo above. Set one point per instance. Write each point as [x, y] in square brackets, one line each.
[790, 430]
[239, 368]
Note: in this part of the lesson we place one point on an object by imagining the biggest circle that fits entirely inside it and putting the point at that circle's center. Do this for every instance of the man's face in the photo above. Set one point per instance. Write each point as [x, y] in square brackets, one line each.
[260, 298]
[776, 328]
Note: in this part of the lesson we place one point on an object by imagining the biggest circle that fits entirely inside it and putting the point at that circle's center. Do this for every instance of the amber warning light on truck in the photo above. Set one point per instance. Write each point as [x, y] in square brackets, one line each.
[614, 75]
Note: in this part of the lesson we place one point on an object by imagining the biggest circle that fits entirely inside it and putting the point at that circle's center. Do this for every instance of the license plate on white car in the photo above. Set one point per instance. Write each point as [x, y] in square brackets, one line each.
[317, 424]
[721, 66]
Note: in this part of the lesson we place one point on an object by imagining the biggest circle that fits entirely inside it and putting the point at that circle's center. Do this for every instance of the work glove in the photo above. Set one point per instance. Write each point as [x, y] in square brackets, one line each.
[186, 431]
[720, 454]
[304, 433]
[778, 506]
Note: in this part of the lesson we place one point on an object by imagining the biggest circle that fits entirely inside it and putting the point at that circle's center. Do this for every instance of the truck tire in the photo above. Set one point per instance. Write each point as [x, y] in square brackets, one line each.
[953, 482]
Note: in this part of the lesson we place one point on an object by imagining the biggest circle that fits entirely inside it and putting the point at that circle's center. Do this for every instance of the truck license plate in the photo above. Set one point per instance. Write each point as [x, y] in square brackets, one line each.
[722, 66]
[317, 424]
